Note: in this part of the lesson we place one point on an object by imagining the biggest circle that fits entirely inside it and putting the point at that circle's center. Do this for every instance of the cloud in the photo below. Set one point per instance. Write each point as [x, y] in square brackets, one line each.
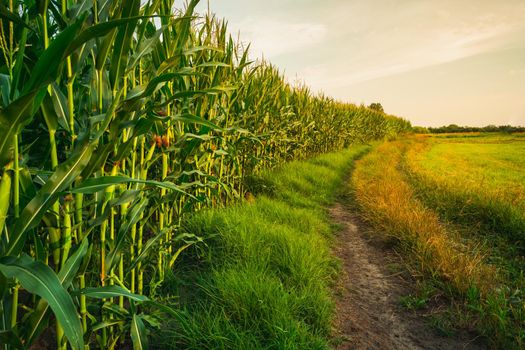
[381, 53]
[342, 46]
[271, 38]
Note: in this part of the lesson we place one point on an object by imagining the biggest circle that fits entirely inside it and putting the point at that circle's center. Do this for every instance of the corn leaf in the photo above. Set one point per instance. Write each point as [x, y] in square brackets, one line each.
[123, 39]
[12, 119]
[39, 279]
[110, 292]
[138, 334]
[65, 276]
[64, 176]
[96, 184]
[46, 68]
[131, 219]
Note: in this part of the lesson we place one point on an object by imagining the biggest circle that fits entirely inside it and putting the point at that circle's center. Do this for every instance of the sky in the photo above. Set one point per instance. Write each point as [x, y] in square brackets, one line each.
[431, 62]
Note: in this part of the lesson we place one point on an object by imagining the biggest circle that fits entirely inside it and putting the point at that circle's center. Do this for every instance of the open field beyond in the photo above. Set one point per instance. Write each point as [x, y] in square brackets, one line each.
[455, 205]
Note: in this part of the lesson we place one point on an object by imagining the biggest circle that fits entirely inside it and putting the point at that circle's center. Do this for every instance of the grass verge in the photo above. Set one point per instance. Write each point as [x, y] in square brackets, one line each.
[483, 298]
[474, 184]
[262, 281]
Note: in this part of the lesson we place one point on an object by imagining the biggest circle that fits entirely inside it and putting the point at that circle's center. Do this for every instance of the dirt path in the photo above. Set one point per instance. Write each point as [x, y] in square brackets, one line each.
[369, 314]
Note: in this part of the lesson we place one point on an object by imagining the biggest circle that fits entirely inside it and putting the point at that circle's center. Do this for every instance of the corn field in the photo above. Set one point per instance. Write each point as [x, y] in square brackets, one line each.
[118, 119]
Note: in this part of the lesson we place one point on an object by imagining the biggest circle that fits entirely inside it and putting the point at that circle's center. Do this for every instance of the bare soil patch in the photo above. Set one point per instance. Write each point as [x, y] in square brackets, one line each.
[369, 312]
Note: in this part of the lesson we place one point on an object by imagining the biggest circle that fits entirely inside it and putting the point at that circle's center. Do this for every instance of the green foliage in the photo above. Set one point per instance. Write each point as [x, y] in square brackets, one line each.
[453, 128]
[420, 130]
[376, 106]
[39, 279]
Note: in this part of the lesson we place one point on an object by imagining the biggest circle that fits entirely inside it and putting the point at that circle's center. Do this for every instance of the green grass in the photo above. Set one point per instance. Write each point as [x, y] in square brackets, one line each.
[478, 188]
[262, 281]
[474, 183]
[481, 137]
[497, 166]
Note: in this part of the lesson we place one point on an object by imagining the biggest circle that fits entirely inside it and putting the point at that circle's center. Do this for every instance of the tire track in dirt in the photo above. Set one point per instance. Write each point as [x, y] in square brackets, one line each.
[369, 314]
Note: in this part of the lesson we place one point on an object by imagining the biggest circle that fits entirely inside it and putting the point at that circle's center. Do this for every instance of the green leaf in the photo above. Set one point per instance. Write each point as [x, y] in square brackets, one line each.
[117, 310]
[123, 40]
[131, 219]
[5, 89]
[12, 119]
[164, 308]
[175, 60]
[40, 251]
[191, 118]
[110, 292]
[5, 200]
[196, 49]
[95, 184]
[50, 116]
[64, 176]
[152, 242]
[46, 68]
[177, 253]
[104, 48]
[197, 93]
[65, 276]
[184, 27]
[10, 338]
[215, 64]
[153, 85]
[102, 325]
[138, 334]
[60, 106]
[144, 48]
[39, 279]
[79, 9]
[100, 30]
[68, 271]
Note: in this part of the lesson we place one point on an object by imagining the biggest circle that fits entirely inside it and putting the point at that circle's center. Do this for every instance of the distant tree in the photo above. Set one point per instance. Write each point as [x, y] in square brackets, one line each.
[420, 130]
[453, 128]
[376, 106]
[490, 128]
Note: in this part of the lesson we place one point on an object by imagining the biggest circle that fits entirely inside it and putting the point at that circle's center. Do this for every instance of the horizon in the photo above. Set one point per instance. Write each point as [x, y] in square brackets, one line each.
[464, 63]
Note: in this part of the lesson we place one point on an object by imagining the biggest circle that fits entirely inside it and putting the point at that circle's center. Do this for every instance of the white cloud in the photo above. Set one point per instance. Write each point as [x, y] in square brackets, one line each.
[393, 54]
[339, 46]
[271, 38]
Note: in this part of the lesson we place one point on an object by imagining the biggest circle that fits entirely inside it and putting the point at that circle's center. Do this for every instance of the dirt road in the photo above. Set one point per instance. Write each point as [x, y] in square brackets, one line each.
[369, 313]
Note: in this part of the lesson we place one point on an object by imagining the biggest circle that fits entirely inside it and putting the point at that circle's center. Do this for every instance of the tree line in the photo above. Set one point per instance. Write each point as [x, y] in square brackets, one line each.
[453, 128]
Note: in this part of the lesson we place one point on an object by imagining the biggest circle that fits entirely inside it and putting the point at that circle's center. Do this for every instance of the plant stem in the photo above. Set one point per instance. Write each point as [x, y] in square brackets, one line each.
[66, 231]
[16, 202]
[83, 309]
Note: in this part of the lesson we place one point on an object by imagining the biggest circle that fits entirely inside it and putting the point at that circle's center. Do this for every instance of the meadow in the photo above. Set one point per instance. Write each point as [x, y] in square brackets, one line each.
[455, 205]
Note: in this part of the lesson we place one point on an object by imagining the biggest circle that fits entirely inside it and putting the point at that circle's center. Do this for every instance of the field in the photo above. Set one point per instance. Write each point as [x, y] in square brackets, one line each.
[160, 188]
[455, 204]
[480, 180]
[485, 163]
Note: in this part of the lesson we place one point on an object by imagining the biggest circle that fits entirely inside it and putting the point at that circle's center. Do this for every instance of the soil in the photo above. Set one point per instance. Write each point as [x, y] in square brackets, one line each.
[368, 302]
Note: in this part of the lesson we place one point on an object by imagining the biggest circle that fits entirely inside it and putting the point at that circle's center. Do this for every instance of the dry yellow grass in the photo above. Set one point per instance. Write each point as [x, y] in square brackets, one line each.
[389, 203]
